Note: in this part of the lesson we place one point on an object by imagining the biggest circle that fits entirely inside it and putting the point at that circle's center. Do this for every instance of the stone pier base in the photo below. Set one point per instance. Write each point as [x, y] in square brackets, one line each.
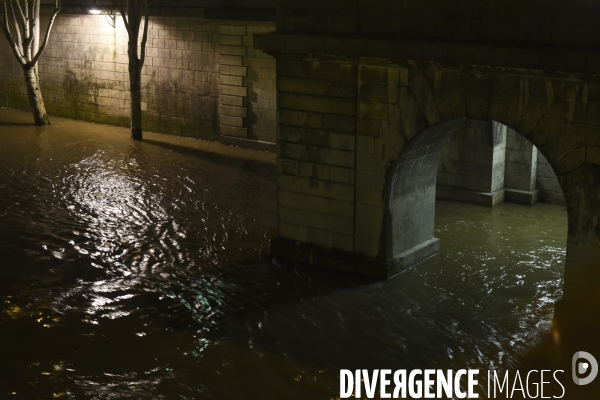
[469, 196]
[525, 197]
[413, 256]
[342, 260]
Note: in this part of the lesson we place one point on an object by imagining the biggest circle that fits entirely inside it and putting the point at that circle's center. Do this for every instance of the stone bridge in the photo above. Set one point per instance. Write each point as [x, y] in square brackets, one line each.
[365, 93]
[370, 91]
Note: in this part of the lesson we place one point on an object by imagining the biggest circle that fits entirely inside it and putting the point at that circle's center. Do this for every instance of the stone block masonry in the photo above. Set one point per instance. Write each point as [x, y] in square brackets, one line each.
[316, 160]
[359, 145]
[486, 163]
[521, 163]
[414, 81]
[84, 75]
[201, 78]
[248, 102]
[472, 165]
[547, 185]
[232, 106]
[521, 169]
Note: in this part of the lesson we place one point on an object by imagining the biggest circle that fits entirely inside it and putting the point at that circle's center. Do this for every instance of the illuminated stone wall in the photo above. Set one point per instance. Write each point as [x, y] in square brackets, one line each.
[248, 100]
[84, 76]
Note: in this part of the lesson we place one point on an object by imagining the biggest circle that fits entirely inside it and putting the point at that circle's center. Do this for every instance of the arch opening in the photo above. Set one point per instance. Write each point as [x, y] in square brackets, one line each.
[471, 161]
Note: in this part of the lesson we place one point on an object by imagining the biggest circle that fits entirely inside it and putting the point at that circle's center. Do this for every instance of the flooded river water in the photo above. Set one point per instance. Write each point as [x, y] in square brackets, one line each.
[138, 271]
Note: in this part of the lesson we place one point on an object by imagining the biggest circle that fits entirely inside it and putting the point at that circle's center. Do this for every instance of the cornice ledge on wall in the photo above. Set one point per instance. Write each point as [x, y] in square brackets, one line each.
[559, 60]
[221, 13]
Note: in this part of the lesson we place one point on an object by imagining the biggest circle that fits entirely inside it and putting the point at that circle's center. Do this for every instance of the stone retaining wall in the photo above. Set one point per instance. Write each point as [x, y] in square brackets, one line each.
[189, 79]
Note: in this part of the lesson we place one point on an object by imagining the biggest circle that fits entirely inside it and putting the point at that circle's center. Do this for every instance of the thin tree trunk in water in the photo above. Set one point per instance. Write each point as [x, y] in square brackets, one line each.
[135, 80]
[132, 12]
[35, 97]
[24, 40]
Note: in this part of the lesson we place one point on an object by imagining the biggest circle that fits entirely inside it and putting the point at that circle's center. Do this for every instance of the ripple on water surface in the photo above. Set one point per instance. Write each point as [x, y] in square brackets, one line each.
[133, 270]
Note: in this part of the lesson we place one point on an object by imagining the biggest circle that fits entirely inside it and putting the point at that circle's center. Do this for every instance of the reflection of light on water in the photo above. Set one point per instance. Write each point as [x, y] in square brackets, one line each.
[116, 204]
[130, 235]
[100, 303]
[127, 229]
[118, 212]
[105, 227]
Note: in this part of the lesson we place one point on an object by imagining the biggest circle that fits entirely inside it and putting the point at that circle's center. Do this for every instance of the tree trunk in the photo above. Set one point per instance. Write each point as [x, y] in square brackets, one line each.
[135, 84]
[132, 12]
[35, 97]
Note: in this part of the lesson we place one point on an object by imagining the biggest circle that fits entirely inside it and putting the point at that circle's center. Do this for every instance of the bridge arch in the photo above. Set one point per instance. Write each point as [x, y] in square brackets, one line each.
[412, 186]
[348, 126]
[410, 197]
[551, 112]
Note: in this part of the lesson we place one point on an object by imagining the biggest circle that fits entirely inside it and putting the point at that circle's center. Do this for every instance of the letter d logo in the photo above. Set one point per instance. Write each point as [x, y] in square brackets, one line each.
[590, 364]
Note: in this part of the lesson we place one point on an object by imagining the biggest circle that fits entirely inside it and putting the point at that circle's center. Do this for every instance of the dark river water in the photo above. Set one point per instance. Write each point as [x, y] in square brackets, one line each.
[139, 271]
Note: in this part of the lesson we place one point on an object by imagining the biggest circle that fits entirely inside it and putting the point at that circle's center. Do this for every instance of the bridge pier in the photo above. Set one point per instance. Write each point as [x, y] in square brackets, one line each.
[473, 163]
[487, 163]
[521, 169]
[360, 138]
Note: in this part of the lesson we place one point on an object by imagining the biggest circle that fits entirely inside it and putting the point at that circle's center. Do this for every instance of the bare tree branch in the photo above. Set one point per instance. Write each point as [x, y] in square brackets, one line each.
[145, 35]
[24, 42]
[15, 23]
[28, 34]
[133, 11]
[27, 20]
[36, 27]
[121, 8]
[57, 7]
[18, 39]
[6, 28]
[23, 17]
[139, 11]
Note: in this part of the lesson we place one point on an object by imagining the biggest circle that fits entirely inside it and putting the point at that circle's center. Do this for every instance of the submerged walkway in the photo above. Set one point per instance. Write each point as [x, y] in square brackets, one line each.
[16, 121]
